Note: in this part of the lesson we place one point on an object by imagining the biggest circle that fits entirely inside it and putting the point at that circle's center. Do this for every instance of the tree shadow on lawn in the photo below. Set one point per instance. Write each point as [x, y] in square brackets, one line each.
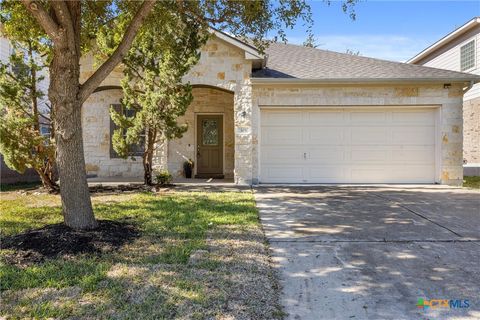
[152, 276]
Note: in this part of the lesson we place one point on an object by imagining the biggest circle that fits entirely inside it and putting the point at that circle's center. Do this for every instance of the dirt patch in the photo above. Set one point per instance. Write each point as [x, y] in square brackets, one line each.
[58, 240]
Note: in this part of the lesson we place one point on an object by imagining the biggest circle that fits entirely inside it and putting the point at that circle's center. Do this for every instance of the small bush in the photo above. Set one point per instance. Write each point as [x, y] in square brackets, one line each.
[163, 177]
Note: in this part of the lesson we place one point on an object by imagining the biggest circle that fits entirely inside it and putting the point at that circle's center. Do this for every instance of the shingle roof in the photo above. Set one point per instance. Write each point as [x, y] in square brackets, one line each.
[287, 61]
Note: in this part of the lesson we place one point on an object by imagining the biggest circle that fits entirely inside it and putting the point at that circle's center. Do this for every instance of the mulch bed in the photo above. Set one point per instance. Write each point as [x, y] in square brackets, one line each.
[99, 188]
[58, 240]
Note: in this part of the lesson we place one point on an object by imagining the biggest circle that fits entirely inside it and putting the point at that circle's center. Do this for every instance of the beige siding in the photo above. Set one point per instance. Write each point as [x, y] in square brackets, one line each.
[448, 57]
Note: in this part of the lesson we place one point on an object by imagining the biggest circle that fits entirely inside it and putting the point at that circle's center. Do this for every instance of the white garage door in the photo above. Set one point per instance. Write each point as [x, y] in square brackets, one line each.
[347, 145]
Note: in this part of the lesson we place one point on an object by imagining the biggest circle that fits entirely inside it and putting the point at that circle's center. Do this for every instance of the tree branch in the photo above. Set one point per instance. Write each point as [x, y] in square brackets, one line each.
[63, 15]
[43, 18]
[104, 70]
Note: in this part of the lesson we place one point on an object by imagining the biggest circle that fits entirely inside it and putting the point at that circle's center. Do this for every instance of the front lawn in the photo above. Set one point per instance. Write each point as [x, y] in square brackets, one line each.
[198, 255]
[471, 182]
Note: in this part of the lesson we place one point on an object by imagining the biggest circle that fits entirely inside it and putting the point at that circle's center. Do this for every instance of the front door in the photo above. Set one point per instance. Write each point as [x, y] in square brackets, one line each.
[210, 146]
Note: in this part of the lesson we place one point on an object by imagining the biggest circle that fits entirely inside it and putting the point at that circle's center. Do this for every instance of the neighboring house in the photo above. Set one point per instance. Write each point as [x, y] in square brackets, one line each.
[460, 51]
[6, 174]
[299, 115]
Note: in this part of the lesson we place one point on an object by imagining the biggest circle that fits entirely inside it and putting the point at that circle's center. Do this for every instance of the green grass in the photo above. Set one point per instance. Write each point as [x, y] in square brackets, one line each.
[172, 226]
[471, 182]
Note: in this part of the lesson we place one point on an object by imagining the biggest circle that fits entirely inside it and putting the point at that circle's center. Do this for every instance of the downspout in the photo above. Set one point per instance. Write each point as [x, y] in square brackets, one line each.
[470, 85]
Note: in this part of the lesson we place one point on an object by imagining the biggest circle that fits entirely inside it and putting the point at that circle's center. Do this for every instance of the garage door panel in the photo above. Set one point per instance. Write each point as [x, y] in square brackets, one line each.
[413, 117]
[281, 135]
[282, 118]
[389, 174]
[370, 155]
[326, 117]
[349, 145]
[323, 135]
[367, 117]
[326, 155]
[282, 154]
[413, 135]
[369, 135]
[415, 174]
[283, 173]
[325, 173]
[417, 155]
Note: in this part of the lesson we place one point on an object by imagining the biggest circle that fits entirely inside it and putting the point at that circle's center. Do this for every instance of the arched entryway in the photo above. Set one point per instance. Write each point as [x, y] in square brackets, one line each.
[210, 138]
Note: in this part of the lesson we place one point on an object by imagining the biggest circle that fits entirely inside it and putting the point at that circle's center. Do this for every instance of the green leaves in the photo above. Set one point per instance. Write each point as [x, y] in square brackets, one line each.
[154, 68]
[23, 108]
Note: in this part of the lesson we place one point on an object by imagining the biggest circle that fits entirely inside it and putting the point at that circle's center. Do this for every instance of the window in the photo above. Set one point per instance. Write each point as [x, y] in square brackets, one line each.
[135, 150]
[467, 56]
[45, 130]
[210, 132]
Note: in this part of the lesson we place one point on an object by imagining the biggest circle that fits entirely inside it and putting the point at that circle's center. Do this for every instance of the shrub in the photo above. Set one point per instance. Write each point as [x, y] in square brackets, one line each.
[163, 177]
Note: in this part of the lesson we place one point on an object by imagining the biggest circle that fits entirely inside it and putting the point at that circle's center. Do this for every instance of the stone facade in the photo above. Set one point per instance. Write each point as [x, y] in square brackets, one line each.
[449, 102]
[471, 131]
[221, 66]
[96, 139]
[205, 101]
[222, 84]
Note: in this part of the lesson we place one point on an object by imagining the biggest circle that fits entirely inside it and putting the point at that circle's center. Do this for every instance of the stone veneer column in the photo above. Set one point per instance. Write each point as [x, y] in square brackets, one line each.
[243, 133]
[160, 157]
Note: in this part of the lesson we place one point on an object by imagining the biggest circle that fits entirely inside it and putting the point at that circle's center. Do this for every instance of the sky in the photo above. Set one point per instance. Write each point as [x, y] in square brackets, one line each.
[391, 30]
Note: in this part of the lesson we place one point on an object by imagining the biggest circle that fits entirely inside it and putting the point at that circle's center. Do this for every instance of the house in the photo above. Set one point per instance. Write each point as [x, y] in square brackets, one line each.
[8, 175]
[460, 51]
[299, 115]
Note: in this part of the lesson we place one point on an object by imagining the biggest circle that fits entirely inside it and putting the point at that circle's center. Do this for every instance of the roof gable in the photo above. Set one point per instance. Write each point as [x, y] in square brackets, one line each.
[251, 53]
[446, 40]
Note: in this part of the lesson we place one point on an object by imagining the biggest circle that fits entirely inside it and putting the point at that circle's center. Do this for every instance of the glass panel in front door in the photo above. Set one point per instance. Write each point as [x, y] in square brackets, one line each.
[210, 132]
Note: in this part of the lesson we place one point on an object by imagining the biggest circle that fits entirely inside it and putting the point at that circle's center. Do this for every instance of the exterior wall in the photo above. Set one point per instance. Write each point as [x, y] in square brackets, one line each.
[5, 49]
[96, 139]
[206, 100]
[223, 66]
[448, 56]
[471, 132]
[8, 175]
[449, 101]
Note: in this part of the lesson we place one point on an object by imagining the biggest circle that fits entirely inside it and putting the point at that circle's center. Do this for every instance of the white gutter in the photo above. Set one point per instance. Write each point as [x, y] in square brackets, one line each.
[266, 81]
[445, 40]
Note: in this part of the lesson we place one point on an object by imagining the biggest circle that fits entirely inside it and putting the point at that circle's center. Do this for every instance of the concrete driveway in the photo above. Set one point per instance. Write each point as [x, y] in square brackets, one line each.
[365, 252]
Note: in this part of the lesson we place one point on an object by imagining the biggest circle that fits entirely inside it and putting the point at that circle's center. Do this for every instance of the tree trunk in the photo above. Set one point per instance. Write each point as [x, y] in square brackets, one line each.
[47, 181]
[148, 157]
[147, 175]
[63, 94]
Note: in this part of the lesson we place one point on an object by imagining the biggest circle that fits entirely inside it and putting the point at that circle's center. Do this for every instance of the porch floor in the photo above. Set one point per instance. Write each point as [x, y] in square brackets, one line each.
[112, 181]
